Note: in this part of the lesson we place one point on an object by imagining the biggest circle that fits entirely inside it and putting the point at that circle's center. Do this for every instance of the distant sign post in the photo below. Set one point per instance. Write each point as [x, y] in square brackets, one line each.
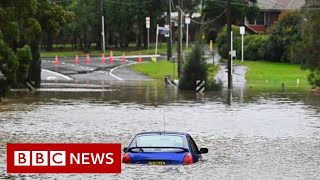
[187, 21]
[242, 32]
[162, 31]
[148, 27]
[167, 31]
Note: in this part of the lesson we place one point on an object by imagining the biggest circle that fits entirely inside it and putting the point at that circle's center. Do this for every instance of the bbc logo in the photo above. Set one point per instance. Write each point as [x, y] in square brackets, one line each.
[63, 158]
[39, 158]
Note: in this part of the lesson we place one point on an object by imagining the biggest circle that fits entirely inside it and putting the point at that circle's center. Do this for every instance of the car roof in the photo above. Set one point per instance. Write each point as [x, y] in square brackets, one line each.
[163, 132]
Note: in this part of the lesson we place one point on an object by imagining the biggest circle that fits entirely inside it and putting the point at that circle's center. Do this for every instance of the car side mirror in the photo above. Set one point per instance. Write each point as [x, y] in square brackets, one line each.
[125, 149]
[203, 150]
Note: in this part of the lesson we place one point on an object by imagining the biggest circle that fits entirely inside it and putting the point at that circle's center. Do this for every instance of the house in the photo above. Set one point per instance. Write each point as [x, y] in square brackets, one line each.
[269, 13]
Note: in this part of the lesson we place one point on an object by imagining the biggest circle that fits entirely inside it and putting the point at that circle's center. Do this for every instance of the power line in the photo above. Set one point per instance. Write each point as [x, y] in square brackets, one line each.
[203, 23]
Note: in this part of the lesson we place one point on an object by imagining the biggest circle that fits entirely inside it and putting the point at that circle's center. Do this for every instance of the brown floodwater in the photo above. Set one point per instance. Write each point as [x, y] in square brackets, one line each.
[249, 134]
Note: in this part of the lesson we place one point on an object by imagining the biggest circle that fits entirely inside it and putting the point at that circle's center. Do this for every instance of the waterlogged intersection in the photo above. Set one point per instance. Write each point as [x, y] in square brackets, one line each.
[250, 135]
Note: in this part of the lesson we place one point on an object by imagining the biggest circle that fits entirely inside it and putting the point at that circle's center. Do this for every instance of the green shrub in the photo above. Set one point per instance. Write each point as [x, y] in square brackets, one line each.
[24, 57]
[222, 40]
[254, 47]
[284, 34]
[194, 69]
[254, 44]
[314, 78]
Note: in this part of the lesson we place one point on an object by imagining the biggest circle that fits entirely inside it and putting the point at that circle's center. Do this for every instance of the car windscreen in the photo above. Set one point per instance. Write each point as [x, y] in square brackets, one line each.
[163, 143]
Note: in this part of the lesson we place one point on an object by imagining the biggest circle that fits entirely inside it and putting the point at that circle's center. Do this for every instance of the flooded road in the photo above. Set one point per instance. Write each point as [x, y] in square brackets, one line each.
[250, 135]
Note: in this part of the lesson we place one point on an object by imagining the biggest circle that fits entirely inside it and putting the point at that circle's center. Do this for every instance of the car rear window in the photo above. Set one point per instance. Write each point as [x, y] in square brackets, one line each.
[159, 141]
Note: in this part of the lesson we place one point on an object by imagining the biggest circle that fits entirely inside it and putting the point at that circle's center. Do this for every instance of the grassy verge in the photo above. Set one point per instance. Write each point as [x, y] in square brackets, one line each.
[157, 70]
[271, 75]
[161, 68]
[162, 49]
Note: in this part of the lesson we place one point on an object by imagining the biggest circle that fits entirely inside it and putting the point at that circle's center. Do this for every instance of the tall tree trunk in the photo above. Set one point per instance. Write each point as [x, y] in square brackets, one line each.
[35, 72]
[49, 42]
[145, 38]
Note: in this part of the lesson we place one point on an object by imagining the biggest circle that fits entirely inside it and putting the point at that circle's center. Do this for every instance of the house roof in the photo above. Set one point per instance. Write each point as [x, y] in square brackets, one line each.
[280, 5]
[257, 28]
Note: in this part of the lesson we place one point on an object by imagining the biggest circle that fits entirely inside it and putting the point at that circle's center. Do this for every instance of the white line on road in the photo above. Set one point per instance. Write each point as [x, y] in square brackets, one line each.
[58, 74]
[110, 72]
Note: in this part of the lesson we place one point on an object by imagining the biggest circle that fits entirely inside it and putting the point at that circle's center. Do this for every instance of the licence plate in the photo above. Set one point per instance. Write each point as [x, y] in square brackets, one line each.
[156, 163]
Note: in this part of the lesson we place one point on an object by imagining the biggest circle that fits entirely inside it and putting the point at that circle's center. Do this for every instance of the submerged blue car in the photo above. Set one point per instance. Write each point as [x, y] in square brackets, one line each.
[162, 148]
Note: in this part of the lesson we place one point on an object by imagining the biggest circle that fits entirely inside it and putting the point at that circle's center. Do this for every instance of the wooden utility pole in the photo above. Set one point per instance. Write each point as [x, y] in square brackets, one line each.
[229, 44]
[179, 45]
[169, 40]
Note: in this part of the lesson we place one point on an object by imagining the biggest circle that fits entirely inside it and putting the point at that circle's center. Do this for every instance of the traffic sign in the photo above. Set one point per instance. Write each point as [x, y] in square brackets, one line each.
[187, 20]
[147, 22]
[242, 30]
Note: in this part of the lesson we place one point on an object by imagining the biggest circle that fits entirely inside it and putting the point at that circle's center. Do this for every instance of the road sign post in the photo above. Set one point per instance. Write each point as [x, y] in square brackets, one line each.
[157, 34]
[242, 32]
[148, 28]
[187, 21]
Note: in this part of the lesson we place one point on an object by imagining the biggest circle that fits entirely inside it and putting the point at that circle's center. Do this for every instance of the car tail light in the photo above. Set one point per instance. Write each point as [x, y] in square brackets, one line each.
[126, 158]
[187, 160]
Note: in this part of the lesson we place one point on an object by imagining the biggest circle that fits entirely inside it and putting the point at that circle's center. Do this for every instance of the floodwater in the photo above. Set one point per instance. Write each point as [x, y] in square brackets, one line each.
[250, 135]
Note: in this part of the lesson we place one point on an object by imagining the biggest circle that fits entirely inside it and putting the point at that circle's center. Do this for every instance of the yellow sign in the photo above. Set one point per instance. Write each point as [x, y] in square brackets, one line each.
[154, 59]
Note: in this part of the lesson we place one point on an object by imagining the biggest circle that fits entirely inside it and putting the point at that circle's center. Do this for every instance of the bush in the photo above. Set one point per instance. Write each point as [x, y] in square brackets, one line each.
[194, 69]
[24, 57]
[285, 33]
[254, 45]
[314, 78]
[222, 40]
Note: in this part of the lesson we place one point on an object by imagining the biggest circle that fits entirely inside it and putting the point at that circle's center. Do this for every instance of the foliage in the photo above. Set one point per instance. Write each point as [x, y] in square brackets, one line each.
[240, 10]
[254, 46]
[314, 77]
[8, 63]
[194, 69]
[52, 17]
[19, 28]
[24, 58]
[283, 36]
[223, 42]
[307, 50]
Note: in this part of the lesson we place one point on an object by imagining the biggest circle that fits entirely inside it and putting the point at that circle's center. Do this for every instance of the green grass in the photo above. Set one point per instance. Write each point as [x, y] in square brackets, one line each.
[270, 75]
[161, 68]
[162, 49]
[157, 70]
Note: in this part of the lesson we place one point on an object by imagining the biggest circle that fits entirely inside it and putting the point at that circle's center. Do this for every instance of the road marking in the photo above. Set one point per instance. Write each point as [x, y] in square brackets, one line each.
[58, 74]
[110, 72]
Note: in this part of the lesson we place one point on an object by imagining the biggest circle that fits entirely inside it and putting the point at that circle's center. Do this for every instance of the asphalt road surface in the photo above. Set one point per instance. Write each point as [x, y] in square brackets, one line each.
[95, 71]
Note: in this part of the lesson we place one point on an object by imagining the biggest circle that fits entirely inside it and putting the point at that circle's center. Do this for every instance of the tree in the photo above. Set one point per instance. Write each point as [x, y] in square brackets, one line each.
[240, 9]
[52, 17]
[284, 34]
[18, 28]
[194, 69]
[308, 50]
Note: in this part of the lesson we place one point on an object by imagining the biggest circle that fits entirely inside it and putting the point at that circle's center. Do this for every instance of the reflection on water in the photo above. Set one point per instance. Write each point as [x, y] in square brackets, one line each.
[250, 135]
